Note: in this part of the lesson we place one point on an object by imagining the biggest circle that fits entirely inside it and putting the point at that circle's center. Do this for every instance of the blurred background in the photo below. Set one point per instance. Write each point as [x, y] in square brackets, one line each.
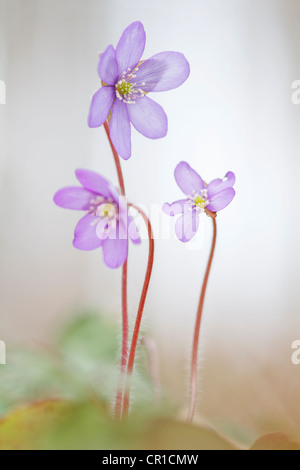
[234, 113]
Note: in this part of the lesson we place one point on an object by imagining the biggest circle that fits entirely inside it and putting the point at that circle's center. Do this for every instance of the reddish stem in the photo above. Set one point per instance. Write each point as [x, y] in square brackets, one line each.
[119, 397]
[197, 328]
[117, 160]
[139, 316]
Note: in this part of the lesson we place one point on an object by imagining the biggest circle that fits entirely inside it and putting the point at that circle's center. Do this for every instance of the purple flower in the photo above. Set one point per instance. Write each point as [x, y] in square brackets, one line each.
[106, 223]
[127, 81]
[201, 197]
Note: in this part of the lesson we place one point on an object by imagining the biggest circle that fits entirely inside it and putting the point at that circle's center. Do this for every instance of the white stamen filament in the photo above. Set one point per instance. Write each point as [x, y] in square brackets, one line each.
[126, 91]
[199, 201]
[104, 209]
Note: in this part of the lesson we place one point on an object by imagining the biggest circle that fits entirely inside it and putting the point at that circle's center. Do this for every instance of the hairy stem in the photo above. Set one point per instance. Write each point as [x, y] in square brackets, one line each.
[139, 316]
[124, 356]
[117, 160]
[193, 385]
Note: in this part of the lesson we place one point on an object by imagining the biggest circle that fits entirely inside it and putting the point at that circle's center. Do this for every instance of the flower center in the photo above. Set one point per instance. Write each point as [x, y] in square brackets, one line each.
[127, 90]
[104, 209]
[105, 214]
[200, 201]
[107, 211]
[124, 87]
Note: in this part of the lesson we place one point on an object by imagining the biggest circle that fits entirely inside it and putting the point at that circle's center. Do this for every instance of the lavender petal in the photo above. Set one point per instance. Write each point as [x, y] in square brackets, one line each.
[74, 198]
[120, 131]
[148, 118]
[115, 252]
[85, 237]
[186, 225]
[221, 200]
[108, 67]
[162, 72]
[100, 106]
[175, 208]
[130, 47]
[219, 185]
[93, 182]
[188, 179]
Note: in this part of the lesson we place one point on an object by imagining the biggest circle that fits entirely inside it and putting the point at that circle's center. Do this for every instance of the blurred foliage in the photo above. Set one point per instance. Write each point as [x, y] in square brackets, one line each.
[88, 426]
[82, 363]
[58, 425]
[60, 398]
[275, 441]
[22, 429]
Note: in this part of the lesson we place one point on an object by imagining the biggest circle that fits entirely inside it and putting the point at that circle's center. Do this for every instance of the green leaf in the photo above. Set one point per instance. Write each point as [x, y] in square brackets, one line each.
[89, 338]
[58, 425]
[83, 362]
[90, 427]
[21, 429]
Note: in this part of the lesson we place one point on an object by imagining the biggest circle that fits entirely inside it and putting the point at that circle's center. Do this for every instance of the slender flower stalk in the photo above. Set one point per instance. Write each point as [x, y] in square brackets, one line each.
[117, 160]
[193, 384]
[139, 317]
[199, 198]
[124, 353]
[131, 359]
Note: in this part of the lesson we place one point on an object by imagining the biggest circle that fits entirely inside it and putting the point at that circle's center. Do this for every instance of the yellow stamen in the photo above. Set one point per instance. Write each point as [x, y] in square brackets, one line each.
[199, 201]
[124, 87]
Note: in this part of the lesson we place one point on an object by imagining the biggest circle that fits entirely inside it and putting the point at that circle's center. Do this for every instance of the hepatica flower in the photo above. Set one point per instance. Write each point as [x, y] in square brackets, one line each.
[106, 223]
[200, 197]
[127, 82]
